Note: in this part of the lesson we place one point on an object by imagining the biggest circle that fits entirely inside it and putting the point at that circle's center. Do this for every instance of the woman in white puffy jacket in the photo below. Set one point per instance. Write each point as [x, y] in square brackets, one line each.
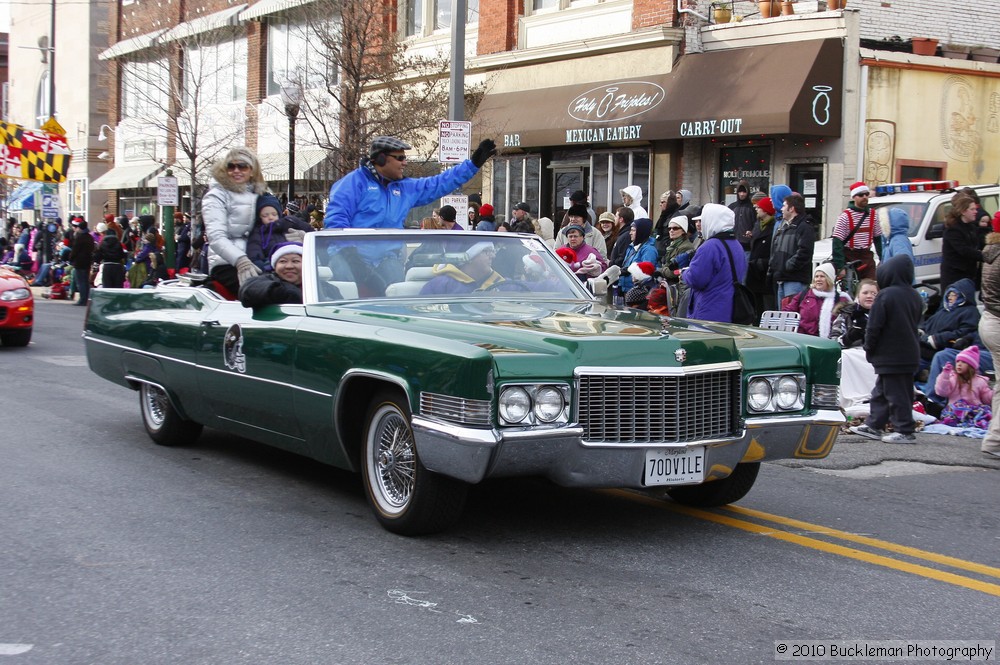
[228, 210]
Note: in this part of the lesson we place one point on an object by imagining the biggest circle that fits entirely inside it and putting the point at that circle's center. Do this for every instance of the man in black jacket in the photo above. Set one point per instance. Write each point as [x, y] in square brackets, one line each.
[746, 216]
[82, 257]
[111, 255]
[790, 266]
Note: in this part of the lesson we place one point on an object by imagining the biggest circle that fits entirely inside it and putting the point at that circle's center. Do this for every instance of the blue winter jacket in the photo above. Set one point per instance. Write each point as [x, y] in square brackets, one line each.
[711, 280]
[645, 252]
[361, 200]
[899, 240]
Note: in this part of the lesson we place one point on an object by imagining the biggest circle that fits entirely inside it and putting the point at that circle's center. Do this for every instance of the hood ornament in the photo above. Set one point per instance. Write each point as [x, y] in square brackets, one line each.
[680, 355]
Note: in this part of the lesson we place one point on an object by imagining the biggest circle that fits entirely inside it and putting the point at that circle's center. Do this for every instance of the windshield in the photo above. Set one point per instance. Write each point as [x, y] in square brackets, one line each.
[432, 264]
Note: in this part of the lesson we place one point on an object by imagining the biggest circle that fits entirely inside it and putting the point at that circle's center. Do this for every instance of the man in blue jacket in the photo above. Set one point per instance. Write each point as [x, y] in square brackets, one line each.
[377, 195]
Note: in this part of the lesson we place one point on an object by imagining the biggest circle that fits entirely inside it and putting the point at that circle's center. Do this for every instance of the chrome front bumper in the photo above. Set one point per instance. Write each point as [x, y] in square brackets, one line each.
[559, 453]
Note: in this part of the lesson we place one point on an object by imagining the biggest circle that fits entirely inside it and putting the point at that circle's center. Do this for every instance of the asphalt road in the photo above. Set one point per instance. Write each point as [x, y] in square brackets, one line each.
[116, 551]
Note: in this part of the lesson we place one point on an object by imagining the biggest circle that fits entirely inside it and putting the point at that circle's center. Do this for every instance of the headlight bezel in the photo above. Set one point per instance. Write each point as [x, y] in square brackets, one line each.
[533, 391]
[774, 403]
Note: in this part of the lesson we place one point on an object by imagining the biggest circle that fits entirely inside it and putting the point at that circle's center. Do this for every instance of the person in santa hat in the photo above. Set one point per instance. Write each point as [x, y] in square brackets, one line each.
[642, 278]
[856, 230]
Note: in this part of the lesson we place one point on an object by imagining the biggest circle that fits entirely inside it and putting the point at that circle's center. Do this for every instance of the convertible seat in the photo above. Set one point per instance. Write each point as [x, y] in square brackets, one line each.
[415, 280]
[348, 290]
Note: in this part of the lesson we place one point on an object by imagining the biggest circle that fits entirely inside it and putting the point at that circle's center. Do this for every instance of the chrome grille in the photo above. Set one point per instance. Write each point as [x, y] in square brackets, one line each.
[640, 409]
[474, 412]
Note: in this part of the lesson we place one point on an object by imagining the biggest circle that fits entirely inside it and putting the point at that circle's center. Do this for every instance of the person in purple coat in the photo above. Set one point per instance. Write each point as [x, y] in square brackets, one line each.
[709, 276]
[475, 273]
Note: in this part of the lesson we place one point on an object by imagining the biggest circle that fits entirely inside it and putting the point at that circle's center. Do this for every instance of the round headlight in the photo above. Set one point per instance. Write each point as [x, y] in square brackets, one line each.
[514, 404]
[758, 394]
[549, 404]
[786, 392]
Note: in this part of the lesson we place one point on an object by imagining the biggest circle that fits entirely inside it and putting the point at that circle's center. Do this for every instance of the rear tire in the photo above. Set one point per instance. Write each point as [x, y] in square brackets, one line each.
[16, 337]
[163, 424]
[407, 498]
[718, 492]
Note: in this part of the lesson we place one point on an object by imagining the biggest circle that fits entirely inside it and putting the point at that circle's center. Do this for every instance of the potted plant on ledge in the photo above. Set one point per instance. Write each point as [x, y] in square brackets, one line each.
[985, 54]
[956, 51]
[722, 12]
[924, 46]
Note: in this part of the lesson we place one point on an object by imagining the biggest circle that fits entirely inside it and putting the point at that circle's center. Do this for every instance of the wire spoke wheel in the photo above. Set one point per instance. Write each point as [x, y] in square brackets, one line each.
[163, 423]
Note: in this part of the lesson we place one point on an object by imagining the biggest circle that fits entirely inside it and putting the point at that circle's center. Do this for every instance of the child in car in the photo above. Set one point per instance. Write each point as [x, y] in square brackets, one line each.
[271, 230]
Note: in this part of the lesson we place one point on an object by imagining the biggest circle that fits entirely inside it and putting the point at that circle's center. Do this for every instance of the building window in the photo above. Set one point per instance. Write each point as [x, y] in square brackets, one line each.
[216, 73]
[612, 172]
[417, 14]
[292, 55]
[42, 100]
[540, 6]
[516, 179]
[145, 87]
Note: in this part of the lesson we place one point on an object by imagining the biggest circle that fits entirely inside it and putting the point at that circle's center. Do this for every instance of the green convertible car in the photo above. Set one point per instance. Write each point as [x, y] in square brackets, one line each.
[430, 360]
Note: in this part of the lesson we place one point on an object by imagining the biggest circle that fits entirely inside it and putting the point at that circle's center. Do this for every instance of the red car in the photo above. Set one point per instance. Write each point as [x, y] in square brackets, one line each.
[17, 309]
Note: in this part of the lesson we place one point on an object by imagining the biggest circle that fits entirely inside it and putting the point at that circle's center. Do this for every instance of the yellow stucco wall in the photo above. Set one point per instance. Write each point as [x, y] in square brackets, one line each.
[932, 117]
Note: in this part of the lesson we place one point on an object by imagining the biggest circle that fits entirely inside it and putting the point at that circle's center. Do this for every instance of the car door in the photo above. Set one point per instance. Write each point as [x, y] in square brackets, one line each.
[245, 361]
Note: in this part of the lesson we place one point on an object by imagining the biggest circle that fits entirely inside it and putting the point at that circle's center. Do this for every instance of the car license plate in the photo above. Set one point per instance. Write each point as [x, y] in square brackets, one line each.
[674, 466]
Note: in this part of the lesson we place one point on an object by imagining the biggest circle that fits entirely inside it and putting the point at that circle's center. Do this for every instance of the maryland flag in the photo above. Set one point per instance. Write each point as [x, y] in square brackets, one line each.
[33, 154]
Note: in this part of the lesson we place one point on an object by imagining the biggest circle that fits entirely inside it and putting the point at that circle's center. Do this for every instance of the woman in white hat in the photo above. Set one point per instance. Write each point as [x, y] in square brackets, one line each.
[819, 304]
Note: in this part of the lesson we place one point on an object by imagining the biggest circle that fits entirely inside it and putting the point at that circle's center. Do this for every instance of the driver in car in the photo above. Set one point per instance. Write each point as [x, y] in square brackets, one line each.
[475, 273]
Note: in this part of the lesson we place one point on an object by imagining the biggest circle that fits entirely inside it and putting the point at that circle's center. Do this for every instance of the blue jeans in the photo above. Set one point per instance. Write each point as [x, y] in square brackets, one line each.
[788, 289]
[942, 358]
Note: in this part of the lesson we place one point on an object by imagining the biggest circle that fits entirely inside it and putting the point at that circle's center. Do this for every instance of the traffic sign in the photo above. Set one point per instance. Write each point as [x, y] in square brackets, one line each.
[50, 205]
[166, 191]
[454, 141]
[461, 206]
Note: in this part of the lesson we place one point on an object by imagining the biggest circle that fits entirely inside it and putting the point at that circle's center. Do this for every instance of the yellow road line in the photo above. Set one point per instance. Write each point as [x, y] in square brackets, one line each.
[823, 546]
[943, 559]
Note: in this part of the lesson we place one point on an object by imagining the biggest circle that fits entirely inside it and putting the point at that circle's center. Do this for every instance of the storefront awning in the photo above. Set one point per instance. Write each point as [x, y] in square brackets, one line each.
[131, 45]
[793, 88]
[265, 7]
[21, 195]
[132, 176]
[216, 21]
[274, 165]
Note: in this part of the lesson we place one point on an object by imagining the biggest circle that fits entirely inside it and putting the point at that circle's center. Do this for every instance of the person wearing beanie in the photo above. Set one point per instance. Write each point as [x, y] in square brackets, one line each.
[642, 277]
[968, 393]
[378, 194]
[472, 216]
[710, 275]
[760, 256]
[449, 216]
[854, 233]
[676, 256]
[474, 273]
[283, 284]
[579, 198]
[270, 230]
[588, 262]
[486, 220]
[819, 305]
[746, 216]
[642, 247]
[577, 214]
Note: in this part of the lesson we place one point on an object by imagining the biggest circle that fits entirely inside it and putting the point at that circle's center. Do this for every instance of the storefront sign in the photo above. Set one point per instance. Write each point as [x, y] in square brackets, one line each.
[604, 134]
[724, 127]
[616, 101]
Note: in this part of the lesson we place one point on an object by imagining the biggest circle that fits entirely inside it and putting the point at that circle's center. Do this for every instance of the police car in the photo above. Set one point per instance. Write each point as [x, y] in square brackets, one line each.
[927, 204]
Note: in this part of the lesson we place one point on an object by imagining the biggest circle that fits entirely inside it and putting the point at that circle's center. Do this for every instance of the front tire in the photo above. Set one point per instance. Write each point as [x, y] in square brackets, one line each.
[730, 489]
[407, 498]
[163, 424]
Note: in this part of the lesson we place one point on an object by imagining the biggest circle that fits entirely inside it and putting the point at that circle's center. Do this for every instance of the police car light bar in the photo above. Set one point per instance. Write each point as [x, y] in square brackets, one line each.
[901, 187]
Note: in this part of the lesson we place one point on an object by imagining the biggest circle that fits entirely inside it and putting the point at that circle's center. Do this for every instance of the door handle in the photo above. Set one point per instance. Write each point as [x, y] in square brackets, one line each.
[211, 323]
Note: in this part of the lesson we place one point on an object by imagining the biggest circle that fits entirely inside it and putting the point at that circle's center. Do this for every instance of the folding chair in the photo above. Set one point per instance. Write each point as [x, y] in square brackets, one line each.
[775, 320]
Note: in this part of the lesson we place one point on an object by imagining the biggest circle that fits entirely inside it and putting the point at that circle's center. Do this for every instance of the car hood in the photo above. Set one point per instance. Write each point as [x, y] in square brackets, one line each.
[591, 334]
[11, 280]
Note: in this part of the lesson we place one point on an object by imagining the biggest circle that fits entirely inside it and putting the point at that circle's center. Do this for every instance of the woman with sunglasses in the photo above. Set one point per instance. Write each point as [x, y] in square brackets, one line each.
[228, 210]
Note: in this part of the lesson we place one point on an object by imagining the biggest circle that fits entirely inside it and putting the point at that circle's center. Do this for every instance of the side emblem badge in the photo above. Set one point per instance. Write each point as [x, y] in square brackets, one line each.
[232, 349]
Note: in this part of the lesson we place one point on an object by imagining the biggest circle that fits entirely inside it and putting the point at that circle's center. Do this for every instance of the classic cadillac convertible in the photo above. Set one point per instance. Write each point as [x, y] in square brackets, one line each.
[464, 356]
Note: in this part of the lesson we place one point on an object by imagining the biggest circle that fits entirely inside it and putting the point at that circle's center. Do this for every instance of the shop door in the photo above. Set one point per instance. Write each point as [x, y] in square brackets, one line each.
[807, 179]
[565, 181]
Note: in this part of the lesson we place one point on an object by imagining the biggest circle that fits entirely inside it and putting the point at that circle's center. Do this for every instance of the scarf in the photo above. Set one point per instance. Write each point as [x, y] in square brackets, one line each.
[825, 311]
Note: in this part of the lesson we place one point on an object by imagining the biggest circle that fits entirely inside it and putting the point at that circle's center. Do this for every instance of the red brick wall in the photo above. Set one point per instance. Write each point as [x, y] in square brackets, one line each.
[649, 13]
[498, 25]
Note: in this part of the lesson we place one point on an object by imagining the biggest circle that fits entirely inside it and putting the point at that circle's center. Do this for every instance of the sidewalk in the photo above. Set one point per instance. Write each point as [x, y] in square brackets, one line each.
[38, 292]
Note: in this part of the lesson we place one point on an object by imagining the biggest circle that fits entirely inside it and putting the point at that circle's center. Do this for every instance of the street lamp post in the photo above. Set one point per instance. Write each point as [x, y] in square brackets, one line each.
[291, 97]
